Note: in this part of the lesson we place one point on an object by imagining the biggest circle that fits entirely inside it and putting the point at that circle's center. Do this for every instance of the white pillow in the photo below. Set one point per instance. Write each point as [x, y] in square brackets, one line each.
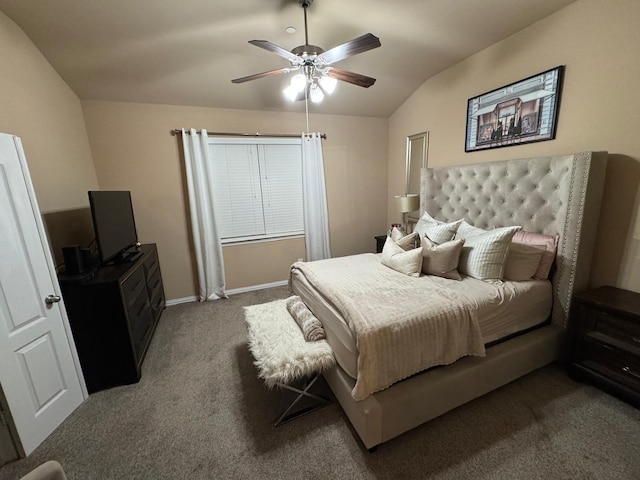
[437, 231]
[522, 261]
[441, 232]
[408, 262]
[426, 219]
[465, 230]
[485, 251]
[396, 234]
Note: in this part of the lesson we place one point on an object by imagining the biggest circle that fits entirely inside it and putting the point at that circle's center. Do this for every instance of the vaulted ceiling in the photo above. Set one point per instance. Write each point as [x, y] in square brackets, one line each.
[186, 52]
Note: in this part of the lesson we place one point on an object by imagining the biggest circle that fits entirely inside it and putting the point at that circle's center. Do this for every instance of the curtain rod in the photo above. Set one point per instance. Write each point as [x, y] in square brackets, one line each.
[177, 131]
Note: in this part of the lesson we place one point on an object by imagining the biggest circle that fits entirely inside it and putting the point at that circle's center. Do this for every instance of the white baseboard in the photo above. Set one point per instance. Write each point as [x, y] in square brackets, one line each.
[233, 291]
[178, 301]
[252, 288]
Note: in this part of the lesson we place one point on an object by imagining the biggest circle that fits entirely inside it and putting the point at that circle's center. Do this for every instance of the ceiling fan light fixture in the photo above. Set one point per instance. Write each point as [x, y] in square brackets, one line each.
[328, 84]
[315, 93]
[291, 93]
[299, 82]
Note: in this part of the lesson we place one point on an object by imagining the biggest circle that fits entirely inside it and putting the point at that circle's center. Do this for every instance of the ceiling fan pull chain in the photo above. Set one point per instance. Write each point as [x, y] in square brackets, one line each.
[306, 109]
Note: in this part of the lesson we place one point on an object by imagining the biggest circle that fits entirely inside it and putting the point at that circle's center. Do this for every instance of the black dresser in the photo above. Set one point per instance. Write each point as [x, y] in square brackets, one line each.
[113, 315]
[604, 341]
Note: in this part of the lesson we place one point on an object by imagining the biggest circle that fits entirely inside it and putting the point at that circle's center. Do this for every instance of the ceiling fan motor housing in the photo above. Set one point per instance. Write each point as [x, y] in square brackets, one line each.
[308, 53]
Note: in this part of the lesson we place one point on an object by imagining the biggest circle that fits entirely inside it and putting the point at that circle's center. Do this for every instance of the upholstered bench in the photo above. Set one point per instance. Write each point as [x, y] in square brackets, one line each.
[283, 357]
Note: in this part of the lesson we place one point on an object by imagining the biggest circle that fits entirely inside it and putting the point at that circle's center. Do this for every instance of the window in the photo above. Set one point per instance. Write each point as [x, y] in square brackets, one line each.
[257, 187]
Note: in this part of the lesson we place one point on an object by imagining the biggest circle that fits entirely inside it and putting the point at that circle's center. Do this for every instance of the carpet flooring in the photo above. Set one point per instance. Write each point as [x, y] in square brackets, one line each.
[200, 412]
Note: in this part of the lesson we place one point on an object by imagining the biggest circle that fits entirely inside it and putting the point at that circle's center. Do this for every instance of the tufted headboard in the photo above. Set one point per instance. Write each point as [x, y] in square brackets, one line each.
[557, 194]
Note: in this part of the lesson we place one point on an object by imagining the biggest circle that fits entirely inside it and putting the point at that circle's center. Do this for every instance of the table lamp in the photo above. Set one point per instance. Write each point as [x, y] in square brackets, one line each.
[409, 202]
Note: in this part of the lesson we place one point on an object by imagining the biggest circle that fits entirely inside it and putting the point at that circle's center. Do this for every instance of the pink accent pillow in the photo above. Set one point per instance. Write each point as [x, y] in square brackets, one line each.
[551, 245]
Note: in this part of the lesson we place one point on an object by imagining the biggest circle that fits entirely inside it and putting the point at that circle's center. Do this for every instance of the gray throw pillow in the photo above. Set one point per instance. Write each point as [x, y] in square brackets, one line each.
[441, 260]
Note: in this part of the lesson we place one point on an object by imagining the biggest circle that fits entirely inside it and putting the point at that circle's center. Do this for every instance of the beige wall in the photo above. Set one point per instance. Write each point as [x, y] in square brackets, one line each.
[600, 110]
[39, 107]
[134, 150]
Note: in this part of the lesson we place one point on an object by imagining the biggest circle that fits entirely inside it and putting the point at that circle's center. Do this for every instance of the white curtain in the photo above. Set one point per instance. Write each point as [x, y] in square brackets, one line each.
[316, 218]
[206, 239]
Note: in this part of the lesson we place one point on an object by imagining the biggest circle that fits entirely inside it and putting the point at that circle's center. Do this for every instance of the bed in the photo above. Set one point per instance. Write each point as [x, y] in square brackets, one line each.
[553, 195]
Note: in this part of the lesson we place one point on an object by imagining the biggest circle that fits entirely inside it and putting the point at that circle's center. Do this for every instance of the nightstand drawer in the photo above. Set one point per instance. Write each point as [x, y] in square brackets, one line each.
[604, 336]
[614, 326]
[612, 362]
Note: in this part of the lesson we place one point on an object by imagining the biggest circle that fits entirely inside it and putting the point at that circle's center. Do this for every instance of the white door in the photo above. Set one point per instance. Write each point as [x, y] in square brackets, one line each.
[39, 372]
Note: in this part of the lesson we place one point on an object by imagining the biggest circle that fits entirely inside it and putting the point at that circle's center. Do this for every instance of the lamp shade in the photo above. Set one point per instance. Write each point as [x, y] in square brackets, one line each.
[409, 202]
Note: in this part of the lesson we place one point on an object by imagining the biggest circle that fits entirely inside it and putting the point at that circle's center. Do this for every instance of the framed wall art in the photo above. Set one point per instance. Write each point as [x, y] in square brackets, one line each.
[522, 112]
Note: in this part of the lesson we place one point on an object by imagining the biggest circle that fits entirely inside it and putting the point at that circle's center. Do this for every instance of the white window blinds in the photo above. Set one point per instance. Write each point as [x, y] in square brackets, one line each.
[257, 187]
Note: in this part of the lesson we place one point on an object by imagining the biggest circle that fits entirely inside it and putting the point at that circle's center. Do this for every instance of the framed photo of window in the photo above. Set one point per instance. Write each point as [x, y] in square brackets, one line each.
[522, 112]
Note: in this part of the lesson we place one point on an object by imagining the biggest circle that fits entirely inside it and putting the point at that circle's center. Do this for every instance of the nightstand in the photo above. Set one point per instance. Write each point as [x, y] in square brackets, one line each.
[604, 341]
[380, 239]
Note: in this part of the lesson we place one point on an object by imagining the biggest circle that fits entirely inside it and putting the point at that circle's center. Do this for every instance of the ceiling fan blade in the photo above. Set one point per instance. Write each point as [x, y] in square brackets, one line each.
[260, 75]
[368, 41]
[350, 77]
[272, 47]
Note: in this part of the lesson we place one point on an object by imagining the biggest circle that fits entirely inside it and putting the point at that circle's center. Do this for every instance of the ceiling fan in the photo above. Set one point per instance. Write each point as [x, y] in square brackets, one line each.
[316, 73]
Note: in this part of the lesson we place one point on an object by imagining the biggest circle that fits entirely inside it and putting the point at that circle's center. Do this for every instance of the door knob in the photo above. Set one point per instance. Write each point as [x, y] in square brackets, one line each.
[50, 299]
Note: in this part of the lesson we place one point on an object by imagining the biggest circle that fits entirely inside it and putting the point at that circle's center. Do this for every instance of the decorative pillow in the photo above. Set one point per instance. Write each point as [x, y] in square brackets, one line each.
[441, 260]
[548, 256]
[522, 261]
[439, 232]
[465, 230]
[426, 219]
[408, 262]
[485, 251]
[407, 242]
[396, 234]
[308, 323]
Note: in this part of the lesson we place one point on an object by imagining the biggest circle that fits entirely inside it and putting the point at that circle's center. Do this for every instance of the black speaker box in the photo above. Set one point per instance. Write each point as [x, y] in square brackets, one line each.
[90, 260]
[74, 260]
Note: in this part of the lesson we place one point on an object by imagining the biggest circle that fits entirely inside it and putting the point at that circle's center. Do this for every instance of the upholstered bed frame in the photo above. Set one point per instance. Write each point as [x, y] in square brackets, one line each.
[551, 195]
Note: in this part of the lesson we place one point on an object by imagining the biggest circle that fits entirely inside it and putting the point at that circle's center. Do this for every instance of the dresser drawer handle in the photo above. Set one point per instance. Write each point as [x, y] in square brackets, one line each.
[631, 372]
[135, 287]
[145, 306]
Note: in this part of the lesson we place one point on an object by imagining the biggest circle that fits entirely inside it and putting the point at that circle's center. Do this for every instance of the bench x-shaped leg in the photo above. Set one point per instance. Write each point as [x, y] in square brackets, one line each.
[322, 401]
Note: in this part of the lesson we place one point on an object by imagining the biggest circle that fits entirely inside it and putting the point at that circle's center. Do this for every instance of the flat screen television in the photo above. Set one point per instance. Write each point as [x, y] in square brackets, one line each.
[114, 224]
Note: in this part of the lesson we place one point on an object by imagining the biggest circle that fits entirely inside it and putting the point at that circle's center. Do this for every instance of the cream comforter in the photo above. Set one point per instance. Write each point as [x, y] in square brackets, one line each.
[399, 330]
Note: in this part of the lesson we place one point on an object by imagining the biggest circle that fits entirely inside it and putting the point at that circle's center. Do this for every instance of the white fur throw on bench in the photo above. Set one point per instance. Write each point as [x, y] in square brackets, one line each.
[277, 344]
